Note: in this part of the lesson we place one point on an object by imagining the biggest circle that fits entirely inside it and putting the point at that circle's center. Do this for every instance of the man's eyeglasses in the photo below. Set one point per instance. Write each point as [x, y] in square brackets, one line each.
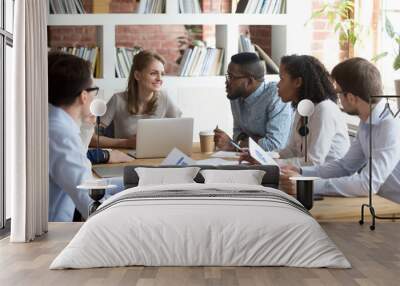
[230, 77]
[95, 88]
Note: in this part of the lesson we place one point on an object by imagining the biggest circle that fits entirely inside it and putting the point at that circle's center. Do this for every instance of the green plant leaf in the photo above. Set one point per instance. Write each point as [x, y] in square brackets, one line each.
[396, 64]
[338, 26]
[379, 56]
[331, 17]
[389, 28]
[317, 14]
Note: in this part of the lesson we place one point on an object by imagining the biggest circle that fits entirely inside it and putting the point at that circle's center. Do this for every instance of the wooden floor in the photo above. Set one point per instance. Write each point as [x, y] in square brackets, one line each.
[374, 255]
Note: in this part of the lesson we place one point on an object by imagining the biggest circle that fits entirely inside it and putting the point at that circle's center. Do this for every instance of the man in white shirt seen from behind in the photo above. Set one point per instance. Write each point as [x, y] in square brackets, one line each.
[71, 91]
[356, 81]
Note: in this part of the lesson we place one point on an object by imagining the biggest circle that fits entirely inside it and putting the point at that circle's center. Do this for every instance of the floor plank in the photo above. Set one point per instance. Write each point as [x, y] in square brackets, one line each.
[375, 257]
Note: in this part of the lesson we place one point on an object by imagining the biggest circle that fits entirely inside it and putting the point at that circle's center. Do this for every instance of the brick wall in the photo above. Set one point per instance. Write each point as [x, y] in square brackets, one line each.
[81, 36]
[325, 44]
[88, 5]
[122, 6]
[162, 39]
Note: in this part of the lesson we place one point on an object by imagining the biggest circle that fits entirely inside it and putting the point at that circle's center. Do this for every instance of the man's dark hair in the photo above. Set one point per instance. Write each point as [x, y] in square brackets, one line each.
[359, 77]
[316, 81]
[68, 77]
[250, 65]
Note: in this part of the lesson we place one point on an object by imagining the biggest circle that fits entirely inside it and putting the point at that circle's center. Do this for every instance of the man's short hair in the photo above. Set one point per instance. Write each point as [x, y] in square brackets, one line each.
[68, 77]
[359, 77]
[249, 64]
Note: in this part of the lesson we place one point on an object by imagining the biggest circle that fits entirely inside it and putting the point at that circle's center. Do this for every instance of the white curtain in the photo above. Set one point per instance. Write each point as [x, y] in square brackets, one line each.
[26, 123]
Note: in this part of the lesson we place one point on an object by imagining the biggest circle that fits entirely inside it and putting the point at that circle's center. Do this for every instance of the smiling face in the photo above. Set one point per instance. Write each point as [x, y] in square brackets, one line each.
[288, 87]
[150, 78]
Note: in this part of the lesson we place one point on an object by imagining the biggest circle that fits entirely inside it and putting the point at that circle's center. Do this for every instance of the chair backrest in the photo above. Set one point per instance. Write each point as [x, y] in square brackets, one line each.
[270, 179]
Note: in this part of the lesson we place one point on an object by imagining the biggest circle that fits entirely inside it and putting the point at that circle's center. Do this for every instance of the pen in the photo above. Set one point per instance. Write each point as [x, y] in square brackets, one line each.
[234, 144]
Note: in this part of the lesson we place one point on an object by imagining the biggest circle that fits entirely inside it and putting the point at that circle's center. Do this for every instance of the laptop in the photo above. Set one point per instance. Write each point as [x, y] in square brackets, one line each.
[155, 138]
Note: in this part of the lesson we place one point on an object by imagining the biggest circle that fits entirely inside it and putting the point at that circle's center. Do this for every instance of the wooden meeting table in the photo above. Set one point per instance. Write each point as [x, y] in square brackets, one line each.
[328, 209]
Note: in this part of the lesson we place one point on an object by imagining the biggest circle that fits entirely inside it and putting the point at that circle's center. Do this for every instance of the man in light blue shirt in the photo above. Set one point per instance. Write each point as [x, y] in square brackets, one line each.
[357, 80]
[70, 95]
[257, 110]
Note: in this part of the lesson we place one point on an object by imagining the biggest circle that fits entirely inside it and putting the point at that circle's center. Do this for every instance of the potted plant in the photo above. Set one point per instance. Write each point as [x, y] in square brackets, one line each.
[340, 16]
[396, 52]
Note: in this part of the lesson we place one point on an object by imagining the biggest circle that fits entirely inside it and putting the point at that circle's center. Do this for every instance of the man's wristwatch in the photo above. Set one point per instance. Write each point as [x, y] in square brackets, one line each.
[106, 155]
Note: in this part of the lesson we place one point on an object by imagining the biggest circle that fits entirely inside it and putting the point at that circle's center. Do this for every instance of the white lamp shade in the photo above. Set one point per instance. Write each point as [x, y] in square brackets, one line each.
[98, 107]
[305, 107]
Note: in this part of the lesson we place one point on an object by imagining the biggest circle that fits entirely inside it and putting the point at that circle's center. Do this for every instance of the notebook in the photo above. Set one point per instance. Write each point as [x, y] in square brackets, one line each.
[109, 171]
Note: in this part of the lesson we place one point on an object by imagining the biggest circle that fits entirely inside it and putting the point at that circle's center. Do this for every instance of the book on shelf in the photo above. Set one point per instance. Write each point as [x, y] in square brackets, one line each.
[124, 60]
[261, 6]
[151, 6]
[66, 7]
[189, 6]
[241, 6]
[271, 66]
[201, 61]
[101, 6]
[89, 54]
[245, 44]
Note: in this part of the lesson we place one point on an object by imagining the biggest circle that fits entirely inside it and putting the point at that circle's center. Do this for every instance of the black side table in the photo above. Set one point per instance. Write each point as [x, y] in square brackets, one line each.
[305, 190]
[96, 193]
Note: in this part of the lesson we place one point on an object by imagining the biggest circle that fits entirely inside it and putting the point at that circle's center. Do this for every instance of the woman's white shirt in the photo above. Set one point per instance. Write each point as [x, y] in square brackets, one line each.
[125, 124]
[327, 139]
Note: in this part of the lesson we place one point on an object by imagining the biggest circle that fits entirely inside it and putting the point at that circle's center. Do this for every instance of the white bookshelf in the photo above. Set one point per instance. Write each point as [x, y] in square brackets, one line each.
[200, 97]
[166, 19]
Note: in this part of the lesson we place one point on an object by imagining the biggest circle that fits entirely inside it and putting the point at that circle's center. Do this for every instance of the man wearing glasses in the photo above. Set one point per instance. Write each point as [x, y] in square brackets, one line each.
[257, 110]
[71, 91]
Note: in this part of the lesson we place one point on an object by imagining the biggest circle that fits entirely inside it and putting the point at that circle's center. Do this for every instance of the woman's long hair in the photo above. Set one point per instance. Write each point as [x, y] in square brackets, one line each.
[141, 61]
[316, 85]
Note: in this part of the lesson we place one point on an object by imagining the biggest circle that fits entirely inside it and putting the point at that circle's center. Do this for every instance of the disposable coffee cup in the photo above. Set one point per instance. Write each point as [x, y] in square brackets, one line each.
[206, 141]
[304, 190]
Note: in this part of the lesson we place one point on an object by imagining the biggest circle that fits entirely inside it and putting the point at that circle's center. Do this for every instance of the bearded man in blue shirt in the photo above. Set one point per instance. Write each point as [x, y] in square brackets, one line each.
[258, 112]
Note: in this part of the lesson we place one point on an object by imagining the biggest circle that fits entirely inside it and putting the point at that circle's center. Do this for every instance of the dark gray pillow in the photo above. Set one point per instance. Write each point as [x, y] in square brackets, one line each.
[270, 179]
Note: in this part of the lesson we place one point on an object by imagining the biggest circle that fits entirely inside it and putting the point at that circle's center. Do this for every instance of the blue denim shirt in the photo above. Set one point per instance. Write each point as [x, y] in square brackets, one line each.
[263, 114]
[68, 168]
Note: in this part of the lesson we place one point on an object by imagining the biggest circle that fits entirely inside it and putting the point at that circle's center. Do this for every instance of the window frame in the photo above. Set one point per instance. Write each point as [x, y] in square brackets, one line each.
[6, 39]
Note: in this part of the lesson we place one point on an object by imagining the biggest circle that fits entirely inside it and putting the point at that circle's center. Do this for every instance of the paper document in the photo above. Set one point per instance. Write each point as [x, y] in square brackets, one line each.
[178, 158]
[216, 162]
[225, 154]
[259, 154]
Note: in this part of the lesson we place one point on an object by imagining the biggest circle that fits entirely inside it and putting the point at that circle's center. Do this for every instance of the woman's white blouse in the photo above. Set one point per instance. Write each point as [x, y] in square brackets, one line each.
[327, 139]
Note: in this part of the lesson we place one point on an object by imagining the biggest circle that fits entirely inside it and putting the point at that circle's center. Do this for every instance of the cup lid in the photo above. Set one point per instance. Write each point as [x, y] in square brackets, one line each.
[206, 132]
[95, 187]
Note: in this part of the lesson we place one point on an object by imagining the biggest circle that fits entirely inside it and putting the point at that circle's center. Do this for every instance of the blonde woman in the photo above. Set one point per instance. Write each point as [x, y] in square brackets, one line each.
[143, 99]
